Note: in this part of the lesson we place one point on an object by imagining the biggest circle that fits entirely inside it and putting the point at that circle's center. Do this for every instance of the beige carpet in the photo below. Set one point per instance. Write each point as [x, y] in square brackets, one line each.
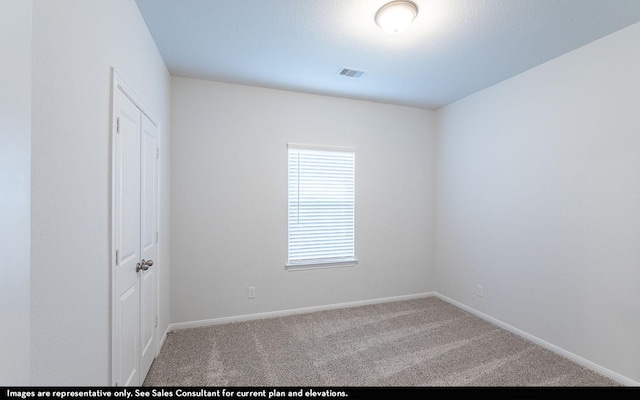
[423, 342]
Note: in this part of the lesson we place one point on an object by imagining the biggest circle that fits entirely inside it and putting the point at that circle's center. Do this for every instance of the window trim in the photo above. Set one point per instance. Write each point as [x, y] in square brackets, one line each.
[334, 262]
[320, 147]
[301, 266]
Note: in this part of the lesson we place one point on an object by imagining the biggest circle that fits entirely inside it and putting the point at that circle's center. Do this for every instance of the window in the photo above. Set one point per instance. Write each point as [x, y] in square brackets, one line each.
[321, 207]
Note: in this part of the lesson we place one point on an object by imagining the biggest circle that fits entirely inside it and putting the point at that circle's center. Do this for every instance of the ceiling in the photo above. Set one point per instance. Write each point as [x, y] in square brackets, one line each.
[453, 49]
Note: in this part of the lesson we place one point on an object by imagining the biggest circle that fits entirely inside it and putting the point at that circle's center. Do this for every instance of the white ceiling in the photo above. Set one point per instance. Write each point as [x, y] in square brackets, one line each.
[453, 49]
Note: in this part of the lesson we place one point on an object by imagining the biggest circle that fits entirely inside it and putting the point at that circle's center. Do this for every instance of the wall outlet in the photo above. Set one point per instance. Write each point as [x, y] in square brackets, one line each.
[251, 292]
[479, 291]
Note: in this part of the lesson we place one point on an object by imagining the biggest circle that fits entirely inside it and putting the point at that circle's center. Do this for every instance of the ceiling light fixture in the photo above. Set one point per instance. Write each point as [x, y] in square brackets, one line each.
[395, 17]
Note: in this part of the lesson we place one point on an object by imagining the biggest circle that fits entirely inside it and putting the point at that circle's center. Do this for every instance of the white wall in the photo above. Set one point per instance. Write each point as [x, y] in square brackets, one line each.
[15, 189]
[538, 200]
[74, 45]
[229, 199]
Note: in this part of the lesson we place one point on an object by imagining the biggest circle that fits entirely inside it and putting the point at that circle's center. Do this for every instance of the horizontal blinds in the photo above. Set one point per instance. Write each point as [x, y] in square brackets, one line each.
[321, 205]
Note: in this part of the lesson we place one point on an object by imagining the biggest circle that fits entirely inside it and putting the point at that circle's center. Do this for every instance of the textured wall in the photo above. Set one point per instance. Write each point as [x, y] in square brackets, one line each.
[74, 45]
[229, 199]
[538, 188]
[15, 189]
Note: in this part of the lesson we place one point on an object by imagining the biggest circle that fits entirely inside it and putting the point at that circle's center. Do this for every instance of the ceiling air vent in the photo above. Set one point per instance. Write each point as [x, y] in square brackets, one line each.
[351, 73]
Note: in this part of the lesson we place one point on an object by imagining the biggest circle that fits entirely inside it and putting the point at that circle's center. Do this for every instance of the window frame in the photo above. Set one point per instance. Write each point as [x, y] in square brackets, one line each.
[318, 263]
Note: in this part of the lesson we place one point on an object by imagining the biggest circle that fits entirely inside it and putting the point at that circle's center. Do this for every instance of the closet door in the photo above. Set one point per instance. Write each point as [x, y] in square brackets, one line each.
[134, 235]
[149, 238]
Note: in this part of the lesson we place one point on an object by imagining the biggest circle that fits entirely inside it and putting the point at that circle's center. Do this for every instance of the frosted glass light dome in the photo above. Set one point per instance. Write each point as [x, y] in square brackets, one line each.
[395, 17]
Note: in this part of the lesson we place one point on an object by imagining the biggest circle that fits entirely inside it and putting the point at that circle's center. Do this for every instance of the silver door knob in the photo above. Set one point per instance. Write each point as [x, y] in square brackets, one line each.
[143, 265]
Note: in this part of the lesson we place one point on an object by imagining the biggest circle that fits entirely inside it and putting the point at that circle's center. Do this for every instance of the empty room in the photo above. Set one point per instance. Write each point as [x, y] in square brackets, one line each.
[292, 193]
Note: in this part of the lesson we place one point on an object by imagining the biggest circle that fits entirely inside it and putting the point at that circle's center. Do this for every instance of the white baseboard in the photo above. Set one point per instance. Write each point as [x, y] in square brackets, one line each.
[162, 339]
[623, 380]
[272, 314]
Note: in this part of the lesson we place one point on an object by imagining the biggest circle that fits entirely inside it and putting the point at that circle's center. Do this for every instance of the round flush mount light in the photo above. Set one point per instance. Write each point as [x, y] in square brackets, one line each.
[395, 17]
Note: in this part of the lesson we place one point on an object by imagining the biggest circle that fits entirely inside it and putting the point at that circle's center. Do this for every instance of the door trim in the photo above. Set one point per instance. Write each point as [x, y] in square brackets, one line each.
[118, 83]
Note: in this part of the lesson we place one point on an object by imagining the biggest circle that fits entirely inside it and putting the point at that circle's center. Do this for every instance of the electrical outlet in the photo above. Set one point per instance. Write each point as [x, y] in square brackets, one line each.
[251, 292]
[479, 291]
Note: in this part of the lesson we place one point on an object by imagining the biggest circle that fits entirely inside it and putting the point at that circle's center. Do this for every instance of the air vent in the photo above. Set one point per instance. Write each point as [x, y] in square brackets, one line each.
[351, 73]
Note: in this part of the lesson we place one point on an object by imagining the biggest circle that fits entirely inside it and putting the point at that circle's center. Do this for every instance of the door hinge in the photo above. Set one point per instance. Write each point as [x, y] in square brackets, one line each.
[156, 321]
[157, 236]
[157, 153]
[117, 257]
[118, 125]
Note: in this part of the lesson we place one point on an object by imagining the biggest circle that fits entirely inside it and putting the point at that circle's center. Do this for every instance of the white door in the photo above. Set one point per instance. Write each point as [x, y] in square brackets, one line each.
[149, 238]
[134, 235]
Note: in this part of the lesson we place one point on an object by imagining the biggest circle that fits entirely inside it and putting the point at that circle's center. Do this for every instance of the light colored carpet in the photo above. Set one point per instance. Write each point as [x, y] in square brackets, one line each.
[423, 342]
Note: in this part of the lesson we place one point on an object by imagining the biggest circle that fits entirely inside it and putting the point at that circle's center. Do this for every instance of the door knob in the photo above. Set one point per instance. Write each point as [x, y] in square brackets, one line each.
[143, 265]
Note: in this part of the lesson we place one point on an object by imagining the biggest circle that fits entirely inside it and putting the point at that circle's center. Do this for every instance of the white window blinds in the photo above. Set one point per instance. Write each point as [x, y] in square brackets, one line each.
[321, 207]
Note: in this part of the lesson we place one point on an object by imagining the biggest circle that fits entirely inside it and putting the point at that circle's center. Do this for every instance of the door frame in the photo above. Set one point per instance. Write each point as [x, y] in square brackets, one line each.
[118, 83]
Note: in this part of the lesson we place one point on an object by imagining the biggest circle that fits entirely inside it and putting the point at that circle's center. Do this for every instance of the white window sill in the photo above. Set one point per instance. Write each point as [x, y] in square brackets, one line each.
[321, 265]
